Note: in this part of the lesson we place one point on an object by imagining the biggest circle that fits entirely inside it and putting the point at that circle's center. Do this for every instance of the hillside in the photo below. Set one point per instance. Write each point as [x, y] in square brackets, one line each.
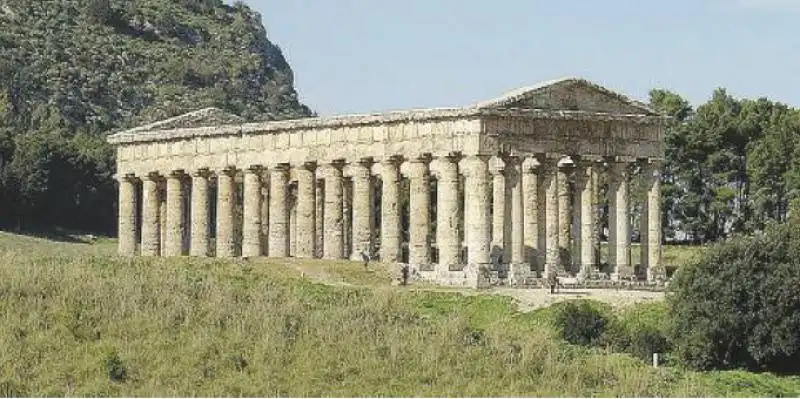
[78, 322]
[73, 70]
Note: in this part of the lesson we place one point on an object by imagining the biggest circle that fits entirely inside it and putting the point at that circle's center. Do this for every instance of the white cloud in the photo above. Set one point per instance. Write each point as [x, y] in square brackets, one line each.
[770, 5]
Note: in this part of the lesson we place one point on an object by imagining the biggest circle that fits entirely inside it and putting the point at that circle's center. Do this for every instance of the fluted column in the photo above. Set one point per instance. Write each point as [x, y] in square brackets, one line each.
[419, 246]
[305, 211]
[619, 237]
[390, 211]
[585, 239]
[174, 212]
[151, 213]
[362, 208]
[126, 226]
[333, 247]
[251, 213]
[651, 223]
[564, 214]
[499, 217]
[278, 212]
[447, 212]
[476, 204]
[226, 200]
[533, 215]
[549, 181]
[200, 229]
[514, 180]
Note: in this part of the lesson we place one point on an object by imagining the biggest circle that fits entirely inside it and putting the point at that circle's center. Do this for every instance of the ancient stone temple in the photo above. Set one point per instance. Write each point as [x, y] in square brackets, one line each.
[515, 184]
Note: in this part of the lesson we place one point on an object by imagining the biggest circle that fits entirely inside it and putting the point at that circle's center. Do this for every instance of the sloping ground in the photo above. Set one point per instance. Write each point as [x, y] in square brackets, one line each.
[98, 325]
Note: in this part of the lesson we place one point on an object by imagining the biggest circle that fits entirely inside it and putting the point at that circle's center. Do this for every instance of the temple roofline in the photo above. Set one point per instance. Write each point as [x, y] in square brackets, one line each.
[139, 135]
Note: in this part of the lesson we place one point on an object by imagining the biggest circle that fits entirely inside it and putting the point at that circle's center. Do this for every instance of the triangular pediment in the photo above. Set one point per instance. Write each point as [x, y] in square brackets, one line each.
[200, 118]
[570, 94]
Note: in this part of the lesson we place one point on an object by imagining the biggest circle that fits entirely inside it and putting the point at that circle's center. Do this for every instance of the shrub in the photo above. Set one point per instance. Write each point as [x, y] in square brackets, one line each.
[642, 330]
[582, 322]
[738, 305]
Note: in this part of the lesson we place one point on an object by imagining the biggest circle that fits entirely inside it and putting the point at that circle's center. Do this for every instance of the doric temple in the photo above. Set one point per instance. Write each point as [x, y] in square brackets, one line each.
[511, 183]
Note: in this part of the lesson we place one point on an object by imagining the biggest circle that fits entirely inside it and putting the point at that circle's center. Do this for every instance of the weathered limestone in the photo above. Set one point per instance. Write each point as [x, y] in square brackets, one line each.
[174, 231]
[362, 208]
[390, 211]
[549, 204]
[564, 214]
[500, 193]
[619, 236]
[532, 217]
[477, 219]
[226, 199]
[251, 213]
[419, 246]
[306, 209]
[151, 213]
[651, 217]
[334, 227]
[127, 216]
[586, 238]
[499, 216]
[514, 180]
[319, 223]
[447, 212]
[200, 228]
[278, 212]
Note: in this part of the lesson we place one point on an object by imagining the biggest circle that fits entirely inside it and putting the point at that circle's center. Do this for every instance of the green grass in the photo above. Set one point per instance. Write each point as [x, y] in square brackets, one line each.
[75, 321]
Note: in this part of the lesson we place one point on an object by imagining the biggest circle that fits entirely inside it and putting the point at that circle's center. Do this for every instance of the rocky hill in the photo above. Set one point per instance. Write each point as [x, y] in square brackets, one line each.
[73, 70]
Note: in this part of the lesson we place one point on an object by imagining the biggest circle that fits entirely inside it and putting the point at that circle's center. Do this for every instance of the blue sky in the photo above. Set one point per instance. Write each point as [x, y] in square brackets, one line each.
[360, 56]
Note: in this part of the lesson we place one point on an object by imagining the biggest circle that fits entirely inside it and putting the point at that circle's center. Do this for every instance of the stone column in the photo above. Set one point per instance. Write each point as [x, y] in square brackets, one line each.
[306, 211]
[151, 213]
[533, 216]
[126, 226]
[586, 238]
[498, 246]
[162, 216]
[447, 212]
[319, 216]
[174, 224]
[278, 212]
[476, 204]
[514, 179]
[347, 222]
[226, 200]
[419, 246]
[390, 211]
[199, 245]
[362, 208]
[549, 182]
[619, 237]
[333, 246]
[564, 214]
[264, 213]
[651, 223]
[251, 213]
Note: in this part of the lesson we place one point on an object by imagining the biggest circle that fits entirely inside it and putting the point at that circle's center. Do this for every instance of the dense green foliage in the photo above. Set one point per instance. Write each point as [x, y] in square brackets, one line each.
[73, 70]
[738, 304]
[732, 165]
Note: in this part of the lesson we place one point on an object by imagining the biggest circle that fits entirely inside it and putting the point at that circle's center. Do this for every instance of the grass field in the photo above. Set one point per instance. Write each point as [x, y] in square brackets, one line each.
[78, 321]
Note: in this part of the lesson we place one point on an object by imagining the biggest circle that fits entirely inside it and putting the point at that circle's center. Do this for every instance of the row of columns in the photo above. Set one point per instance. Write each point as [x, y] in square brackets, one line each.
[517, 208]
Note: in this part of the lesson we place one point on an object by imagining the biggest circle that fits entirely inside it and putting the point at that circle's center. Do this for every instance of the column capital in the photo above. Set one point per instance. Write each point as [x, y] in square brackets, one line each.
[202, 172]
[153, 176]
[306, 165]
[125, 178]
[497, 166]
[179, 173]
[475, 163]
[228, 171]
[280, 167]
[254, 169]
